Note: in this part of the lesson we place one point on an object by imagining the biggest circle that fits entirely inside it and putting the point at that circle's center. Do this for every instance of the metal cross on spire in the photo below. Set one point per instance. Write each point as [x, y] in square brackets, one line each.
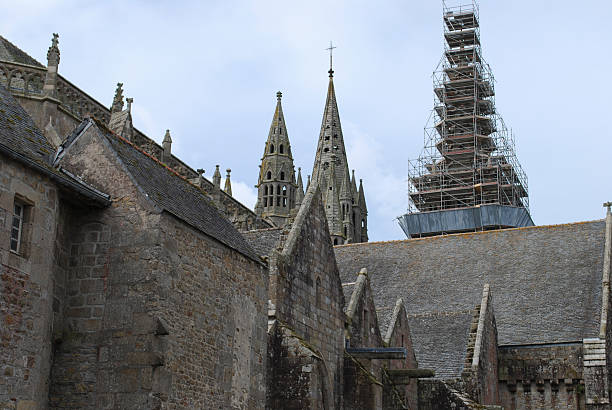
[331, 50]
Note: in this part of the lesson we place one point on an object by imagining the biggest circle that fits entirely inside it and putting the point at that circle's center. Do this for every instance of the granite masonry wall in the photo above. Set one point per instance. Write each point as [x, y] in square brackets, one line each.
[306, 293]
[27, 280]
[398, 335]
[158, 314]
[363, 378]
[541, 377]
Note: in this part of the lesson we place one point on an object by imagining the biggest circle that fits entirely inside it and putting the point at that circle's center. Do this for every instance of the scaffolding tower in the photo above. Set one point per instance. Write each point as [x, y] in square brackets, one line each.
[467, 177]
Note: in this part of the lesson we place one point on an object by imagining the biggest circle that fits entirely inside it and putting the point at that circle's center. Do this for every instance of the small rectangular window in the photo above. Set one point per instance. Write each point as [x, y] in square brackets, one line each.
[17, 227]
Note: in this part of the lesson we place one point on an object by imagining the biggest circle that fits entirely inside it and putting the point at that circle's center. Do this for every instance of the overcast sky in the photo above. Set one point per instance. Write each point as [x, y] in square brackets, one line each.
[209, 71]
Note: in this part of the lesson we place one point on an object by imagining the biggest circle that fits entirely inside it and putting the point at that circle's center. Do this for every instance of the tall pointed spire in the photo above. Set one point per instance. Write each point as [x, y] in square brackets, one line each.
[331, 170]
[276, 185]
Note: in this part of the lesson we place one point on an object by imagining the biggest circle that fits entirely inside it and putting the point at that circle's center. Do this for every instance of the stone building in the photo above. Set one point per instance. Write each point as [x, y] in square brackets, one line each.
[128, 280]
[57, 106]
[122, 285]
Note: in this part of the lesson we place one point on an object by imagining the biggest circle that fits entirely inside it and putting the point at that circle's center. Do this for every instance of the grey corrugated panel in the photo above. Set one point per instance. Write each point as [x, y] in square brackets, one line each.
[462, 220]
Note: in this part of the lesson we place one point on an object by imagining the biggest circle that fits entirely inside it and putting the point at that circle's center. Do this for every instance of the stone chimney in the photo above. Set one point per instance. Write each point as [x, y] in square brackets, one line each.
[53, 59]
[228, 183]
[167, 145]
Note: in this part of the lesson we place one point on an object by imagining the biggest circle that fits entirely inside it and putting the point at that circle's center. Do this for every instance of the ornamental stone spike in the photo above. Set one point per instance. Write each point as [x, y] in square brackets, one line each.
[217, 177]
[167, 146]
[228, 183]
[53, 59]
[118, 99]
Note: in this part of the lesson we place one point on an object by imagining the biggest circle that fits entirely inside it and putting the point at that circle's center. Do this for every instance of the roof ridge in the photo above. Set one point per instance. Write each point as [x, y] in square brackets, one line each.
[40, 65]
[105, 127]
[469, 233]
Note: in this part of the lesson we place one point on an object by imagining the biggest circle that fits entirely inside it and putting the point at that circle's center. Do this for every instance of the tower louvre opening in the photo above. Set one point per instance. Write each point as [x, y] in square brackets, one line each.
[467, 177]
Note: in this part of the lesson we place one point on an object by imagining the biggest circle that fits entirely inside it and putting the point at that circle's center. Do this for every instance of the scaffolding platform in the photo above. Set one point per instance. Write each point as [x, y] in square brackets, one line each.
[479, 218]
[468, 177]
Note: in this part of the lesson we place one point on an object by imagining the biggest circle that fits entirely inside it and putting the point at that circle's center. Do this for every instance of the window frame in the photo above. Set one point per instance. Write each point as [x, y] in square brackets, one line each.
[20, 219]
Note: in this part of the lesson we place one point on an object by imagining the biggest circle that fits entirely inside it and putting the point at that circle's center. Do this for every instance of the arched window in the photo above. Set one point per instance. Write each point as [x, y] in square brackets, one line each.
[266, 190]
[363, 223]
[281, 149]
[278, 190]
[284, 190]
[282, 173]
[269, 175]
[345, 231]
[271, 148]
[335, 241]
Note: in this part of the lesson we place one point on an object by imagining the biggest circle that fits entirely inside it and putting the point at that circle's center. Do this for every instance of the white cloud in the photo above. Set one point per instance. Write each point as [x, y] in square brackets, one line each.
[244, 193]
[386, 191]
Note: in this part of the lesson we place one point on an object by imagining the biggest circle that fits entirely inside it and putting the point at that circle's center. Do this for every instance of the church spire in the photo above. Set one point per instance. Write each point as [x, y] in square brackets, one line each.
[331, 170]
[276, 185]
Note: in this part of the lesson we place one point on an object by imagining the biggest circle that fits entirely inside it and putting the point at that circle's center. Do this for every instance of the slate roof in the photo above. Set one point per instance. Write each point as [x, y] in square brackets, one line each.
[18, 131]
[263, 241]
[24, 142]
[442, 341]
[12, 53]
[176, 195]
[545, 281]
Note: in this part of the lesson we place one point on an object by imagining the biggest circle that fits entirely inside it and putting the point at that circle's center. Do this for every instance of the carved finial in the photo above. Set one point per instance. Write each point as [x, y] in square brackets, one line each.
[53, 54]
[279, 95]
[167, 137]
[201, 171]
[228, 183]
[217, 177]
[118, 100]
[129, 103]
[608, 205]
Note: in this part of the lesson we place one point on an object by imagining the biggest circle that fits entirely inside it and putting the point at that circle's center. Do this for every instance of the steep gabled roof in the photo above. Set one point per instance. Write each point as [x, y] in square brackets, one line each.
[11, 53]
[546, 279]
[21, 140]
[174, 194]
[440, 341]
[264, 241]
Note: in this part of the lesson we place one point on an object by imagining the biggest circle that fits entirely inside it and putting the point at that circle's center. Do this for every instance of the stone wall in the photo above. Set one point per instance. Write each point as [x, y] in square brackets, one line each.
[27, 280]
[363, 379]
[482, 370]
[398, 335]
[541, 377]
[306, 293]
[158, 313]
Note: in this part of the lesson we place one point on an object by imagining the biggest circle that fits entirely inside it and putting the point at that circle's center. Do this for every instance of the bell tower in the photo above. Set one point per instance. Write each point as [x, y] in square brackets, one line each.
[276, 186]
